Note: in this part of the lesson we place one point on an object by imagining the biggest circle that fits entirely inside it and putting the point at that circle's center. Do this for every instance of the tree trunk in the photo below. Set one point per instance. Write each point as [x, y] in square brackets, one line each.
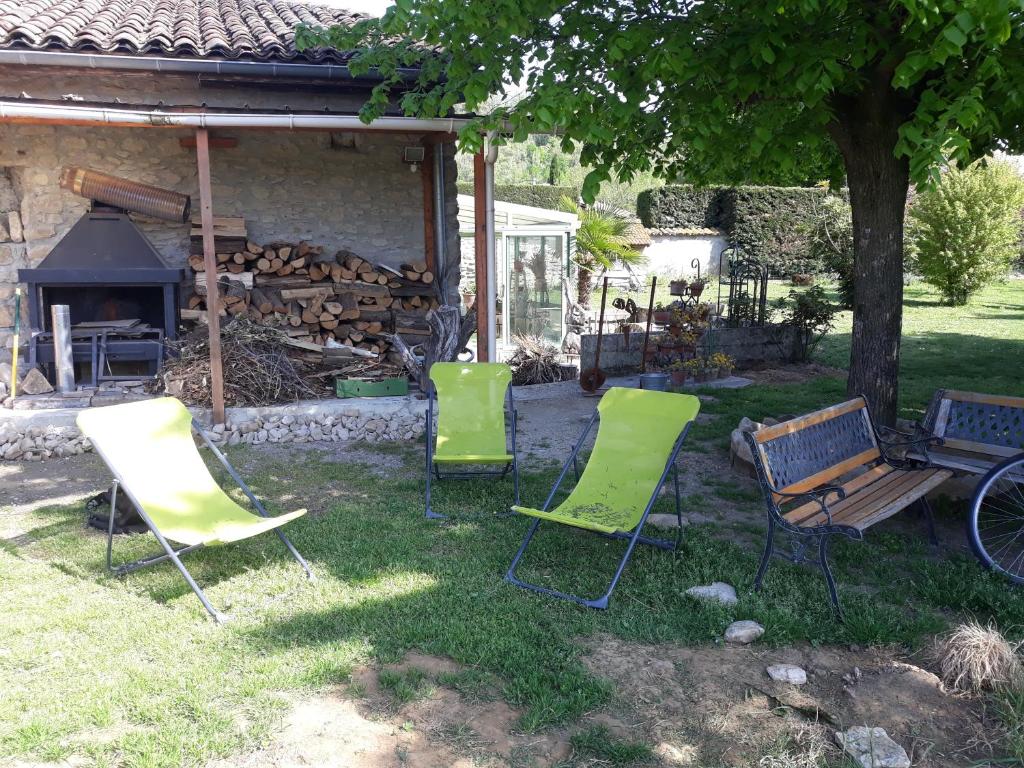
[584, 286]
[866, 131]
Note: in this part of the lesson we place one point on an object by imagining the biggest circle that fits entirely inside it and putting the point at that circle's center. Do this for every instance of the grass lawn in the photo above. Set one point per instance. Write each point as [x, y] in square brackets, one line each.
[129, 671]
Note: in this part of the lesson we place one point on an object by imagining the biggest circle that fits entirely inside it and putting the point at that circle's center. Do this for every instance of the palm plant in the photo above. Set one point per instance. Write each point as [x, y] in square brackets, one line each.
[600, 243]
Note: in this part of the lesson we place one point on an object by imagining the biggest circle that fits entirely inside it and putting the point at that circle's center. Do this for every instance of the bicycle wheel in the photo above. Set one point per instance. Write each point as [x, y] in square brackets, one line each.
[996, 524]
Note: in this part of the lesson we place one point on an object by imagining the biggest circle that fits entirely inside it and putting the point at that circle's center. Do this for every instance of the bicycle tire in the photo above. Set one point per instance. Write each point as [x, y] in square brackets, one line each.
[995, 526]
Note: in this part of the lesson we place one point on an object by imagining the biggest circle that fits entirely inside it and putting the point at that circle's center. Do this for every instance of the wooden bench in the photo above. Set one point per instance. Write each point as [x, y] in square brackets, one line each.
[974, 431]
[828, 473]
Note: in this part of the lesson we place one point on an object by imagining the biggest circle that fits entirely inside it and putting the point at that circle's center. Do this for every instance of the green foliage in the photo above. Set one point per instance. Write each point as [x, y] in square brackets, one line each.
[812, 314]
[749, 90]
[601, 238]
[830, 243]
[966, 230]
[536, 195]
[770, 224]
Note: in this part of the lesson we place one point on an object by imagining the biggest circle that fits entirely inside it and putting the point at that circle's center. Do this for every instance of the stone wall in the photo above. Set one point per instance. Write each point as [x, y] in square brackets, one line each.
[342, 190]
[41, 435]
[749, 347]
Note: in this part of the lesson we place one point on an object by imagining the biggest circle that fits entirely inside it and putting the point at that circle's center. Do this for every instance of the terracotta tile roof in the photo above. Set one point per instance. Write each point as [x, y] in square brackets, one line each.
[685, 231]
[254, 30]
[636, 234]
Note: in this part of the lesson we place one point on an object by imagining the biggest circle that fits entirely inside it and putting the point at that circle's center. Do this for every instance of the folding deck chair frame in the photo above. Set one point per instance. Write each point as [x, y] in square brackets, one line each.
[433, 467]
[169, 552]
[633, 537]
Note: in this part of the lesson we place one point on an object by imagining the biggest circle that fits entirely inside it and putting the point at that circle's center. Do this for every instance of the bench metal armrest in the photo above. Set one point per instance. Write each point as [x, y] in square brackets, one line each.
[820, 495]
[921, 440]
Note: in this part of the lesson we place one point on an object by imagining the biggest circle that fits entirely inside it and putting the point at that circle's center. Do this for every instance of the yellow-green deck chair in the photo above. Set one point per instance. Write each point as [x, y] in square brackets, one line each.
[149, 448]
[638, 438]
[471, 399]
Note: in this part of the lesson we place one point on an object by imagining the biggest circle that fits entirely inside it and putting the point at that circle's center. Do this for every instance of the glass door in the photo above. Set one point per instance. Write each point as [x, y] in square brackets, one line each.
[535, 267]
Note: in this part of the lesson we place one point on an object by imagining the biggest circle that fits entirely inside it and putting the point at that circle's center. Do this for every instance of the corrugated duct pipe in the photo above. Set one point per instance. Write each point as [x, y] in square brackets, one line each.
[129, 195]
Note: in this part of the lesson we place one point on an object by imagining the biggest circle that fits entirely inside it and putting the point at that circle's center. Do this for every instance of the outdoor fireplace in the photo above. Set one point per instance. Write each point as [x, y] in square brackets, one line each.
[109, 274]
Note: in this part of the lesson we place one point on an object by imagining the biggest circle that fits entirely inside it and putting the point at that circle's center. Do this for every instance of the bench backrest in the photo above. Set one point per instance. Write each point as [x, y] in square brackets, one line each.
[978, 423]
[808, 451]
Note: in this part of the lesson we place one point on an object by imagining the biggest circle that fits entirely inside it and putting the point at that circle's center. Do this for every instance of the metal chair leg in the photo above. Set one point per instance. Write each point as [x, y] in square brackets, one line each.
[825, 569]
[929, 518]
[679, 508]
[769, 548]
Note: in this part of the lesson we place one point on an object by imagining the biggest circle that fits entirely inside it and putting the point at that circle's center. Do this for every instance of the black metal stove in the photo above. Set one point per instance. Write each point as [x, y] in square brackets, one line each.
[106, 271]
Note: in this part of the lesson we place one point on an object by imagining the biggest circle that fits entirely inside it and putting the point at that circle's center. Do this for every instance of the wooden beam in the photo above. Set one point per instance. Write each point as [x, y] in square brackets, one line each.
[427, 175]
[210, 263]
[217, 142]
[480, 252]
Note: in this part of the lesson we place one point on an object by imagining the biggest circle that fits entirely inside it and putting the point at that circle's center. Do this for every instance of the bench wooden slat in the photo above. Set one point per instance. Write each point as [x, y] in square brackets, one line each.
[873, 475]
[978, 397]
[978, 465]
[795, 425]
[831, 473]
[984, 449]
[870, 502]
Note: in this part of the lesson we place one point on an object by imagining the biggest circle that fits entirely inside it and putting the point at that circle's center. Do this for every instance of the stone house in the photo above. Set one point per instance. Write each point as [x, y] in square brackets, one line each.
[122, 85]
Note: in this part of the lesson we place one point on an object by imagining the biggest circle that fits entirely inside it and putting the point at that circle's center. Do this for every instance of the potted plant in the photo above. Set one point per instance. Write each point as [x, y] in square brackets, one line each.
[468, 292]
[697, 287]
[693, 368]
[678, 373]
[677, 287]
[725, 364]
[662, 314]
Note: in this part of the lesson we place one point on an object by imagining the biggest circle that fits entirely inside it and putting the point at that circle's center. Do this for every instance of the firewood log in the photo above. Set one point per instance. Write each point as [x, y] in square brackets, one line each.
[261, 301]
[252, 247]
[236, 269]
[284, 252]
[263, 264]
[349, 307]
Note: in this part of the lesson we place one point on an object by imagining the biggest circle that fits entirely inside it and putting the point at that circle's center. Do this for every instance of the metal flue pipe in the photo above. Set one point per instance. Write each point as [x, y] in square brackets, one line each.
[129, 195]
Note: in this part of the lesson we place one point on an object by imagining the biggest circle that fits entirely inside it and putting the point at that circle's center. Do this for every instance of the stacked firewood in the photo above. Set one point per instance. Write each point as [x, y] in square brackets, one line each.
[315, 298]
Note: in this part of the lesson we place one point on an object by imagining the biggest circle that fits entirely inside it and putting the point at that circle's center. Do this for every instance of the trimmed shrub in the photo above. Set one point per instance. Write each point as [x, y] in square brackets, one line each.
[681, 206]
[770, 224]
[966, 231]
[535, 195]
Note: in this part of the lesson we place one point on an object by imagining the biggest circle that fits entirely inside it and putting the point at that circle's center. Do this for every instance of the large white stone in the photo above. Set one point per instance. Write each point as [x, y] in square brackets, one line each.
[743, 632]
[872, 748]
[718, 591]
[787, 673]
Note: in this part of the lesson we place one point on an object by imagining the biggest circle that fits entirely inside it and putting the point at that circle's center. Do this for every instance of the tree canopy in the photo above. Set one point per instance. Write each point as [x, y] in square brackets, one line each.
[887, 91]
[713, 91]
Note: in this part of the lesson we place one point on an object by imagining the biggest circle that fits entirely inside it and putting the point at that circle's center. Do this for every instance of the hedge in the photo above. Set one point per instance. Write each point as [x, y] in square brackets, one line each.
[770, 224]
[536, 195]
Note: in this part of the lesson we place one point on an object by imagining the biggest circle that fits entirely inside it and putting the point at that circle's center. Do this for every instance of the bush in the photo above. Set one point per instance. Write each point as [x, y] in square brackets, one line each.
[966, 231]
[770, 224]
[813, 316]
[830, 243]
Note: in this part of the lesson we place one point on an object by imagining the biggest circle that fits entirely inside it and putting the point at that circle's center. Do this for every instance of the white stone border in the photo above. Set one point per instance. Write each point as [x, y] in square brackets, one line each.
[39, 435]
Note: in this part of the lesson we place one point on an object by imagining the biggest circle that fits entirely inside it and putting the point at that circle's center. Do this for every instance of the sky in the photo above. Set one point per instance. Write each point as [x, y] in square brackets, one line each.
[372, 7]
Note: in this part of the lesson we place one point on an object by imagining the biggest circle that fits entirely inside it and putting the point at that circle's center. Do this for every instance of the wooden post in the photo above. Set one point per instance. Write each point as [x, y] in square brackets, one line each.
[210, 265]
[480, 252]
[427, 175]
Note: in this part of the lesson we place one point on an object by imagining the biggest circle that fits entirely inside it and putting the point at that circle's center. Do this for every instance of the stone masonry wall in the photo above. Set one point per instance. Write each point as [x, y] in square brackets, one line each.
[287, 186]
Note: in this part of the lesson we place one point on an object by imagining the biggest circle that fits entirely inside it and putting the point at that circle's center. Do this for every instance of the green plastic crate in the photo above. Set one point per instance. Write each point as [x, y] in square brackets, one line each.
[358, 388]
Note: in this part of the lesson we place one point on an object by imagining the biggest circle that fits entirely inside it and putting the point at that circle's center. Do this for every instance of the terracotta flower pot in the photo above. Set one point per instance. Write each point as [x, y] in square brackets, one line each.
[662, 315]
[678, 378]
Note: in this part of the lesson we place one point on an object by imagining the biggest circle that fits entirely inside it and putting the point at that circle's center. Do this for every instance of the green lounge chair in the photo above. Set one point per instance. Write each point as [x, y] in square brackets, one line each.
[638, 438]
[470, 399]
[149, 448]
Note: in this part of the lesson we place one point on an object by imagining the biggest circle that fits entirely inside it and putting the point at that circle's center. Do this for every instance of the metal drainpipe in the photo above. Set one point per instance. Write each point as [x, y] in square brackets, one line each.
[490, 157]
[441, 226]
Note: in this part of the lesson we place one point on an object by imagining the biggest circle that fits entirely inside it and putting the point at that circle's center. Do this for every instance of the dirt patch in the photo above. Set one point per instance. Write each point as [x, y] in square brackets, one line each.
[717, 706]
[368, 724]
[793, 374]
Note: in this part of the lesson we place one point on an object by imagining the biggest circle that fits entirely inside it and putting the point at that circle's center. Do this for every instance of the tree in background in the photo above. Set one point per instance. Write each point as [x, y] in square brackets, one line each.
[830, 242]
[725, 91]
[966, 230]
[600, 244]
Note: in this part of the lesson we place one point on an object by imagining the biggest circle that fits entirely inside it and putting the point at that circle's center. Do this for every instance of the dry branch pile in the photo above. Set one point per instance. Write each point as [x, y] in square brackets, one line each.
[535, 361]
[315, 299]
[257, 367]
